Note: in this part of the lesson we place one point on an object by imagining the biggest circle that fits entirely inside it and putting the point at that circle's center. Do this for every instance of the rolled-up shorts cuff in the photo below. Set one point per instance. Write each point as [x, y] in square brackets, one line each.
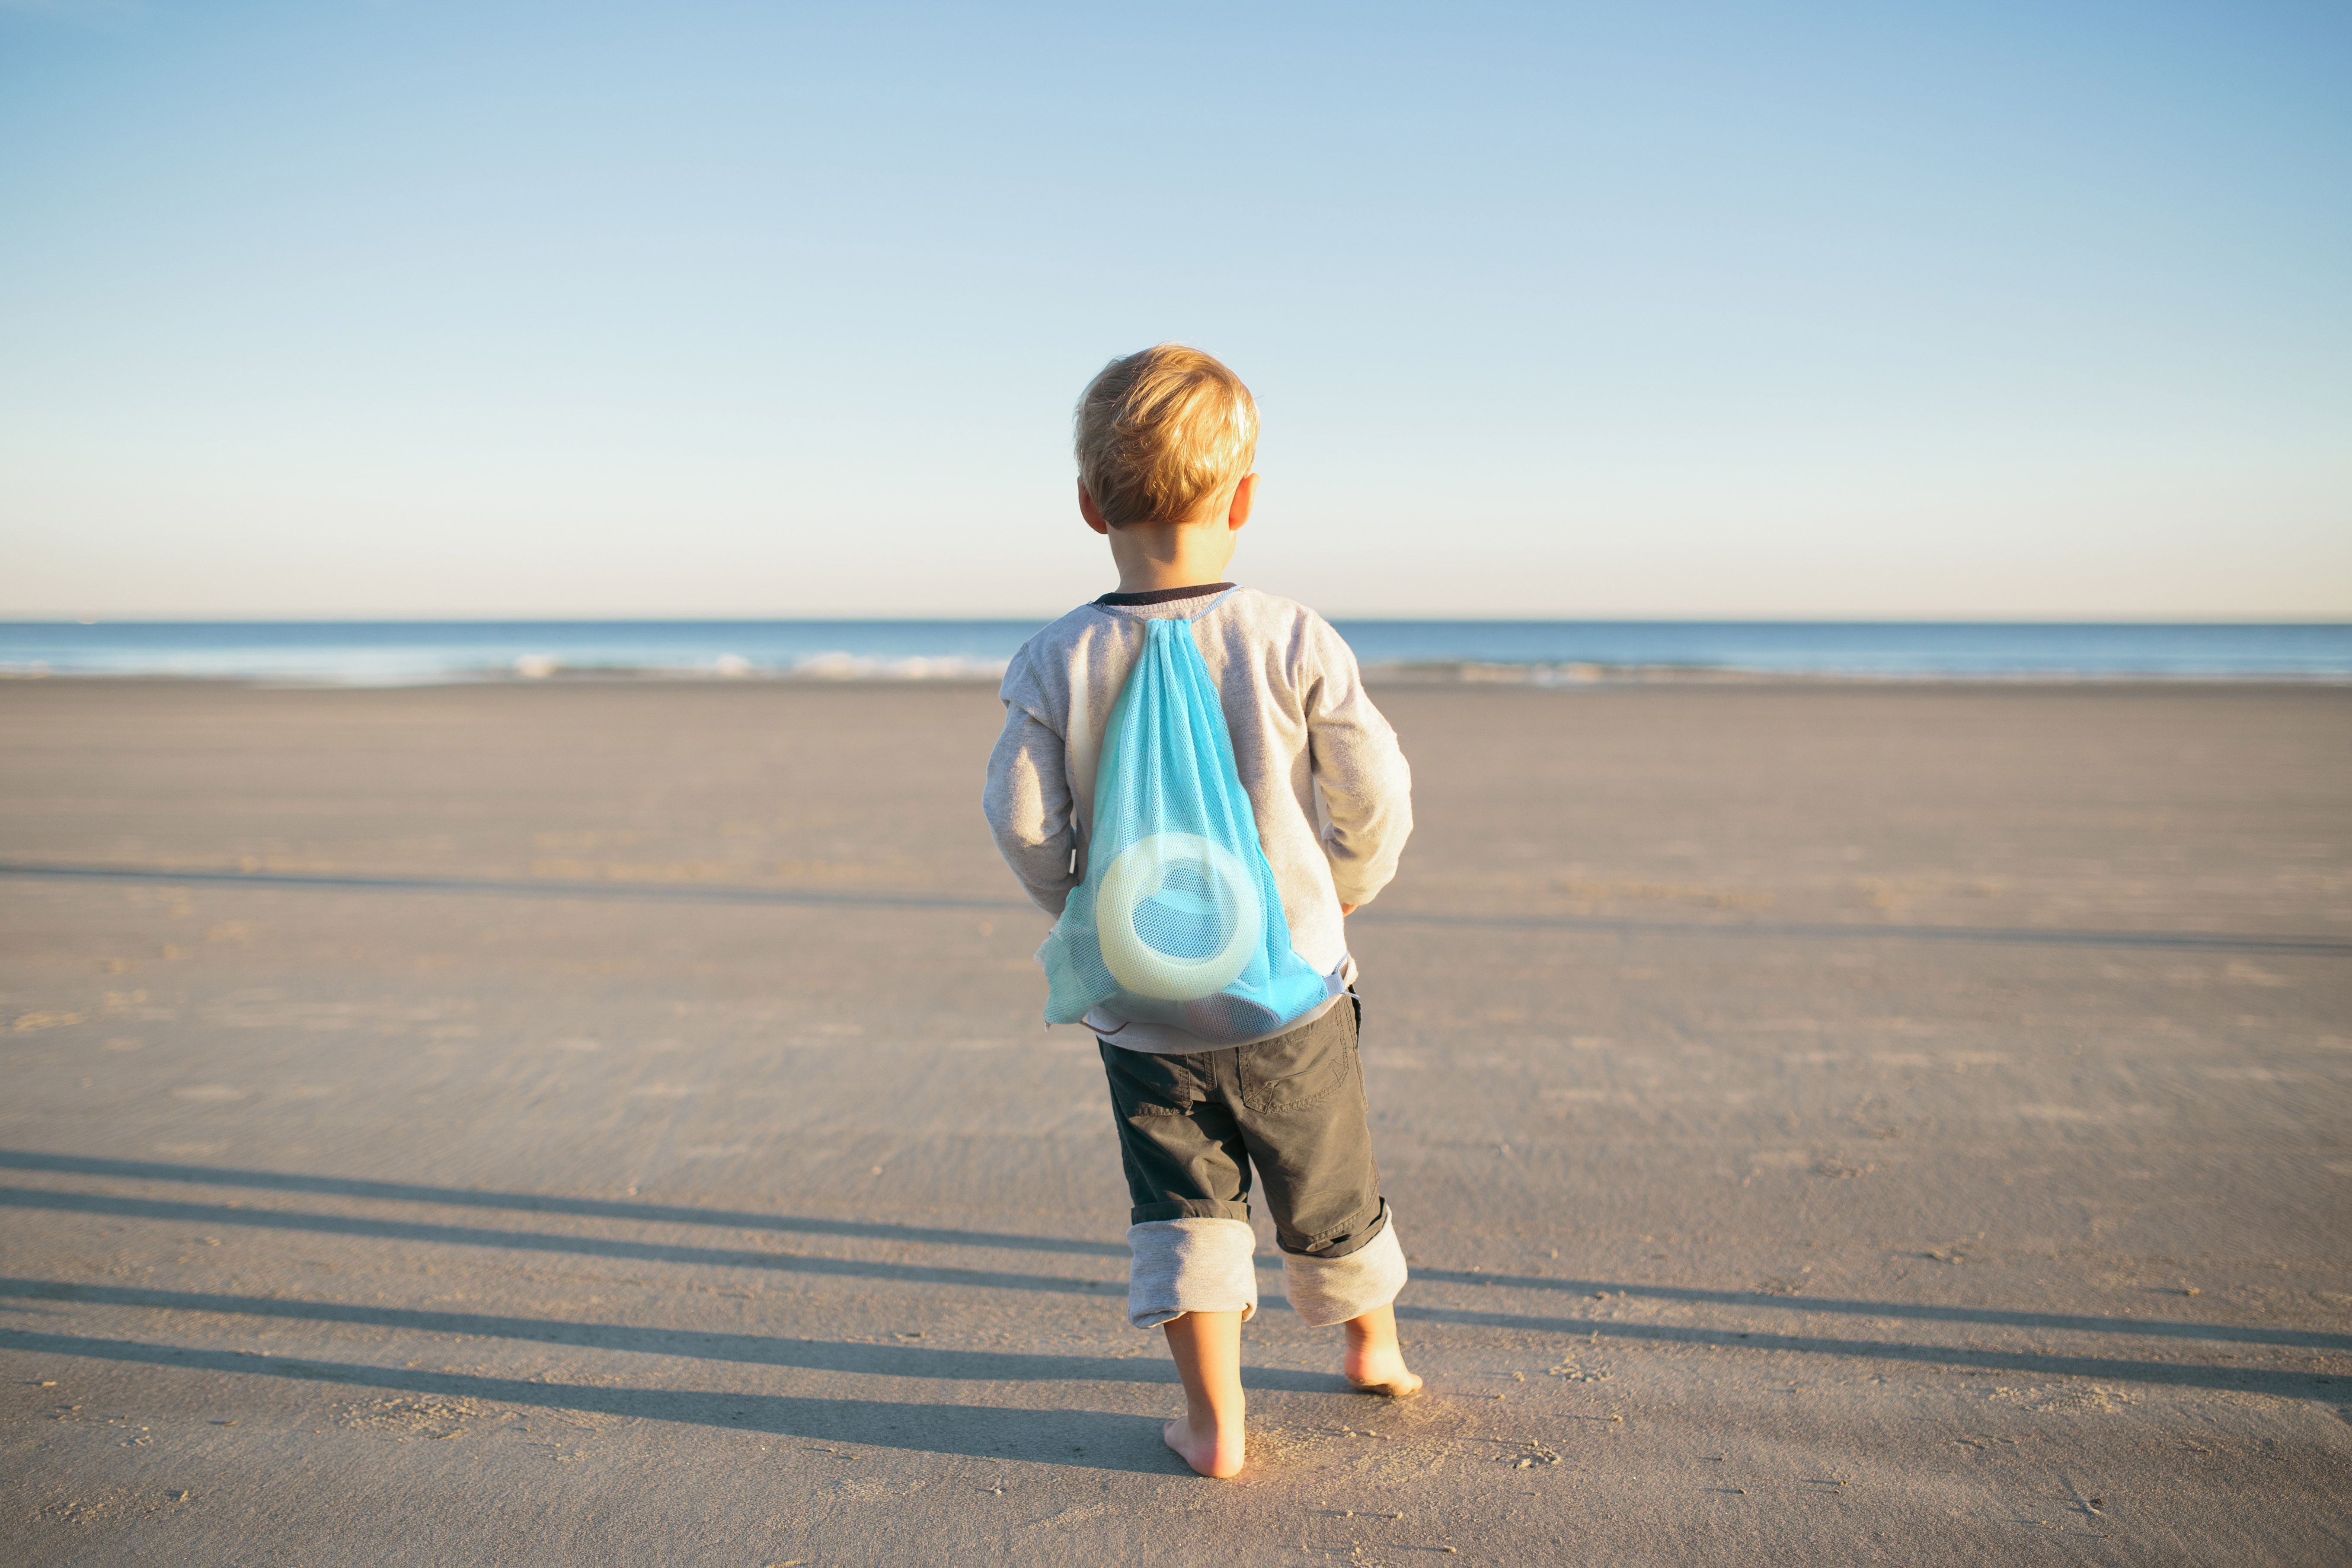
[1188, 1209]
[1194, 1263]
[1357, 1231]
[1326, 1291]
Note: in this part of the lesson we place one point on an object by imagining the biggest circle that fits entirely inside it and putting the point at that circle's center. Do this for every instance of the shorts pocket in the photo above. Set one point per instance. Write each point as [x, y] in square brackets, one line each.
[1304, 1068]
[1143, 1084]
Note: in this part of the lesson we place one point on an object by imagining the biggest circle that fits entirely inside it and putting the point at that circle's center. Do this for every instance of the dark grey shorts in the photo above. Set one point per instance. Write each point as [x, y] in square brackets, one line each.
[1190, 1127]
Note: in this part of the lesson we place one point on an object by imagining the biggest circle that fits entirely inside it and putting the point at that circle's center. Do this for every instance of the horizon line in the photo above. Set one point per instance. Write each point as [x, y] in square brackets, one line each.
[2223, 618]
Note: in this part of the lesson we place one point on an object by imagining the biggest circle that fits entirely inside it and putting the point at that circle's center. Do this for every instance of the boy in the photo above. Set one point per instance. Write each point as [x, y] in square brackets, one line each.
[1165, 442]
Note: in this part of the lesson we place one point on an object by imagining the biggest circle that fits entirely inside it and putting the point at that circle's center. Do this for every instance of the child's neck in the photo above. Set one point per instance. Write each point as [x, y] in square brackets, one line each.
[1151, 556]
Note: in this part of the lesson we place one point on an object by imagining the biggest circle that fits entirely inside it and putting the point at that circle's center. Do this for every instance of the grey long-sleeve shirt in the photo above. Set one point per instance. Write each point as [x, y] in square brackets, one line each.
[1325, 776]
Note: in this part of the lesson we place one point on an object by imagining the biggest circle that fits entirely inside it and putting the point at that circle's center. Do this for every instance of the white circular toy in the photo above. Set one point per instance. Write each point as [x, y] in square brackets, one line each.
[1221, 883]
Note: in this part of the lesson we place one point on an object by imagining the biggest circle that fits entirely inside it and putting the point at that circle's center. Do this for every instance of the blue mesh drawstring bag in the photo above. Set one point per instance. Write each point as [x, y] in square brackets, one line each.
[1178, 920]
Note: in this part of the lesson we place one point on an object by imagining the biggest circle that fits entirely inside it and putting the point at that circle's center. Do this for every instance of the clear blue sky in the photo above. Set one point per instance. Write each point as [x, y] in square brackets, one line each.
[1773, 309]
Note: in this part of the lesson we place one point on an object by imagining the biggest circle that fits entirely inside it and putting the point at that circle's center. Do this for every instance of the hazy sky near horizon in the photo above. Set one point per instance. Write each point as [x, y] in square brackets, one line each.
[1794, 310]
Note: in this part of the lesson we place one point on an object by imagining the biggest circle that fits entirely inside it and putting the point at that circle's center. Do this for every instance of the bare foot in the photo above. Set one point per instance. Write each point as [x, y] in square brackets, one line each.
[1218, 1455]
[1375, 1363]
[1208, 1350]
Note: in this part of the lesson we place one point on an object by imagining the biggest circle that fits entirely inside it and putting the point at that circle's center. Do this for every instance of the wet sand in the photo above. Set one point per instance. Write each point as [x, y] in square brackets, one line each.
[609, 1124]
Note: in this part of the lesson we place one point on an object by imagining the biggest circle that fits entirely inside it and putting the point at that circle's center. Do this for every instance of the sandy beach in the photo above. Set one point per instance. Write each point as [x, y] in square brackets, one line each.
[1830, 1123]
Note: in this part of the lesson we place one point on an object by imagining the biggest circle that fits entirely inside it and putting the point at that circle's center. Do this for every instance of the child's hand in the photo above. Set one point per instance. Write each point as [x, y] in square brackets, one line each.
[1346, 909]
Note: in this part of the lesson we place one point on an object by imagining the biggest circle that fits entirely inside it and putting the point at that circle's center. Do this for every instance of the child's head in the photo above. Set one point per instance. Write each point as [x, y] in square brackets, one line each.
[1165, 436]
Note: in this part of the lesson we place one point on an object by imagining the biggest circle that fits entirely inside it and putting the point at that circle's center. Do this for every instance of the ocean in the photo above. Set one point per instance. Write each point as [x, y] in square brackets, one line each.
[396, 653]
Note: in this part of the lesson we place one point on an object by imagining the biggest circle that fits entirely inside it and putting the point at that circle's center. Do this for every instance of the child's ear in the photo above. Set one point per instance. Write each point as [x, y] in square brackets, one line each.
[1093, 514]
[1244, 497]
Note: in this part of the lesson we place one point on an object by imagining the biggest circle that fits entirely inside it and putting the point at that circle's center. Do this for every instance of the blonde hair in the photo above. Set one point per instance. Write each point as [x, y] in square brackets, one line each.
[1162, 431]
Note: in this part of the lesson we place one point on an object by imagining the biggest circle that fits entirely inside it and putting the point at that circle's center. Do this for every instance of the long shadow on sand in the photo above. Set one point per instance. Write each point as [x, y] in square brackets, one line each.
[988, 1366]
[2062, 1323]
[2325, 1387]
[1093, 1440]
[823, 898]
[800, 1415]
[751, 1349]
[542, 1203]
[2175, 1373]
[535, 1241]
[671, 1213]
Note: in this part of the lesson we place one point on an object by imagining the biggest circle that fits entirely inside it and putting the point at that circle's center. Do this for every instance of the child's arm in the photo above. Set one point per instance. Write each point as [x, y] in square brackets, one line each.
[1029, 808]
[1359, 771]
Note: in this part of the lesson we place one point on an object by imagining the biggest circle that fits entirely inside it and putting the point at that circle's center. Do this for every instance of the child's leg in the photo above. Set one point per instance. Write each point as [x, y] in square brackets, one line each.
[1375, 1363]
[1304, 1119]
[1208, 1350]
[1193, 1275]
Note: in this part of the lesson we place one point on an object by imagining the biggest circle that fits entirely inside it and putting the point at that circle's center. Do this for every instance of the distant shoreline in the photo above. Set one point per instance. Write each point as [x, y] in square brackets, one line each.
[1540, 653]
[1468, 678]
